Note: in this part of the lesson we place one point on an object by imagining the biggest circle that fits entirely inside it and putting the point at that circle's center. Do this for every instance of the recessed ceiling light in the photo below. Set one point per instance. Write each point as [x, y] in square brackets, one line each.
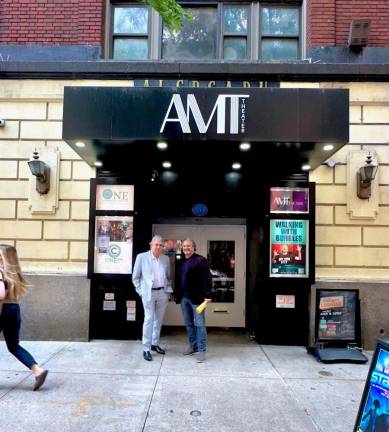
[167, 164]
[244, 146]
[306, 167]
[328, 147]
[98, 164]
[162, 145]
[236, 166]
[80, 144]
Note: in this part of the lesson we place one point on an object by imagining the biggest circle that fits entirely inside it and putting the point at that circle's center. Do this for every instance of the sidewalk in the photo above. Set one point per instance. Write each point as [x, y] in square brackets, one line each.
[105, 386]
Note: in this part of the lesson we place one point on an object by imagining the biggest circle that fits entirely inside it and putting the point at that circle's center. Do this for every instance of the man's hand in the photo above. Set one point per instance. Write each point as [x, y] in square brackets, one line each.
[208, 300]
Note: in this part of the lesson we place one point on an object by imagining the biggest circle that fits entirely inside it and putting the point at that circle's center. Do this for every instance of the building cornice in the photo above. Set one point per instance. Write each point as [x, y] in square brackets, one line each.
[233, 71]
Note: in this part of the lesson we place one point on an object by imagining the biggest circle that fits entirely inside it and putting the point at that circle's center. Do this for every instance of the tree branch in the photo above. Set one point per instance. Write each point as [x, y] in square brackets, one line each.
[171, 12]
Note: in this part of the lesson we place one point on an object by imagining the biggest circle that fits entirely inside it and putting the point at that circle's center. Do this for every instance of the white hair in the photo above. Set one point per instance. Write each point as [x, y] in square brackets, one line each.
[157, 237]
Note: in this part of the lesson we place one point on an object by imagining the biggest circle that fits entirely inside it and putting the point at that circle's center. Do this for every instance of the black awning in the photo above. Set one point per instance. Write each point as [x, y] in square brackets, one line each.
[112, 121]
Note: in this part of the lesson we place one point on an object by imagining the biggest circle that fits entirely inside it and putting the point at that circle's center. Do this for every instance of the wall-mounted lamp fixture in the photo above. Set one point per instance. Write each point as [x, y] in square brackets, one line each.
[41, 171]
[365, 175]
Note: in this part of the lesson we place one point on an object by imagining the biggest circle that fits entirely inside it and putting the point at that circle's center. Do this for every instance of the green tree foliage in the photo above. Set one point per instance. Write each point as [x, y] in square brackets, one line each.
[171, 13]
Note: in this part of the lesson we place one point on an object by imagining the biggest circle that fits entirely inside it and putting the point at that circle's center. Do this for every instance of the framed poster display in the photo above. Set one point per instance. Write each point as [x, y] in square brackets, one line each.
[288, 247]
[336, 315]
[114, 197]
[289, 200]
[373, 413]
[113, 244]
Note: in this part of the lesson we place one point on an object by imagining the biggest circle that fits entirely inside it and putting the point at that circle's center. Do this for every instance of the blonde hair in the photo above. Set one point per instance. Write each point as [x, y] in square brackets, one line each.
[15, 282]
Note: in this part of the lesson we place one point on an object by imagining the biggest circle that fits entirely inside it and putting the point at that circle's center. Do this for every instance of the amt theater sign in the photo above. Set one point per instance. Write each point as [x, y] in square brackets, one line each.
[219, 114]
[182, 116]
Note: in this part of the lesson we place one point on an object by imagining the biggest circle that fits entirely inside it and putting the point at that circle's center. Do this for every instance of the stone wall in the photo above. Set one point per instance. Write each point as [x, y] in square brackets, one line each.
[350, 247]
[349, 250]
[352, 252]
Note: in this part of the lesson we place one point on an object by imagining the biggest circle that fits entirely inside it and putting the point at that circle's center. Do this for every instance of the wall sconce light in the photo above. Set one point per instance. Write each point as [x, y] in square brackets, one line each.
[41, 171]
[365, 175]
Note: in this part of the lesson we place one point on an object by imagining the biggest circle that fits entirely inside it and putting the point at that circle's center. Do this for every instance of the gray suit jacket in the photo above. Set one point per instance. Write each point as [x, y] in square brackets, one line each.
[143, 278]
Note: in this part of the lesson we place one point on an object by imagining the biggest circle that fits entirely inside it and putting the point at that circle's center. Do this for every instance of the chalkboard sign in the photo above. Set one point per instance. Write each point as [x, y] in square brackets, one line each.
[337, 315]
[373, 413]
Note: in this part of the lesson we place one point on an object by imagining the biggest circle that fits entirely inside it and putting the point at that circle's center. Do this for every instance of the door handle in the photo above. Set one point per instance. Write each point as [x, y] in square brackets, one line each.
[220, 310]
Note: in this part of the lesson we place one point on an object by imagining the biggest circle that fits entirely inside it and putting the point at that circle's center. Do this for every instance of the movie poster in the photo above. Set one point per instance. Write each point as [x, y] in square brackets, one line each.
[113, 244]
[288, 248]
[375, 414]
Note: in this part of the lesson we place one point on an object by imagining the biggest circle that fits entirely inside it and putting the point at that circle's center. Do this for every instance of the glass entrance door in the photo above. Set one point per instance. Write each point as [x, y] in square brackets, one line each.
[225, 248]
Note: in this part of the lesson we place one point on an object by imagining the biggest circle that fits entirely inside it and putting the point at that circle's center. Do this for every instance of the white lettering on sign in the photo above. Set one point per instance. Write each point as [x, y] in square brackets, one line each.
[192, 106]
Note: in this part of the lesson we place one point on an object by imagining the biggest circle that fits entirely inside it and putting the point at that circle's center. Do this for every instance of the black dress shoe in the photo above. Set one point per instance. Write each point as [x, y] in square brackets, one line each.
[157, 349]
[147, 355]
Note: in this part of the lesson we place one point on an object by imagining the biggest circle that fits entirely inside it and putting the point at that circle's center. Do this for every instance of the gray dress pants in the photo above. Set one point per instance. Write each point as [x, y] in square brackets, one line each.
[154, 313]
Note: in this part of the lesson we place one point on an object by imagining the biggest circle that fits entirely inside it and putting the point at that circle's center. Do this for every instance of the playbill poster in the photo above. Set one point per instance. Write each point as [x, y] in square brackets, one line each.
[288, 247]
[113, 244]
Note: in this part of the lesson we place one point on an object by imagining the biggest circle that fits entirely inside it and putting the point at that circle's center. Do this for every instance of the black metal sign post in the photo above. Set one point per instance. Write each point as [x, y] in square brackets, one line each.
[338, 326]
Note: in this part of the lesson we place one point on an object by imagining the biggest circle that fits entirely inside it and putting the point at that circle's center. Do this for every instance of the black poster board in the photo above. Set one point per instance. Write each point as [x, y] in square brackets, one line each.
[337, 315]
[373, 413]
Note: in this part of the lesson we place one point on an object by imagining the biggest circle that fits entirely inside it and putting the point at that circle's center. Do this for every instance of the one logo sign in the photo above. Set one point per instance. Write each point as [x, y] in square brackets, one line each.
[199, 209]
[115, 197]
[237, 113]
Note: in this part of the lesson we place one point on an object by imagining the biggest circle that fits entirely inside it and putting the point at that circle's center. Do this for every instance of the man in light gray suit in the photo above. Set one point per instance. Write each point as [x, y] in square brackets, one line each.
[151, 278]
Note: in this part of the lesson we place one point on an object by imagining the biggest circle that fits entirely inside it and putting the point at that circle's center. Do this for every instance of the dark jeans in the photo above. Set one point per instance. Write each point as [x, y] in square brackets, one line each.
[10, 325]
[195, 325]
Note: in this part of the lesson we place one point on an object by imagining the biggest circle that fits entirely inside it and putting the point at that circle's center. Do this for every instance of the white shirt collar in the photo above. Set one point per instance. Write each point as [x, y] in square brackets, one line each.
[153, 257]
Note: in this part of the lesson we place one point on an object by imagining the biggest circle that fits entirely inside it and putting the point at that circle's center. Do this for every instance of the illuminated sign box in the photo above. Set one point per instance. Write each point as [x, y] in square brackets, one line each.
[113, 245]
[288, 248]
[289, 200]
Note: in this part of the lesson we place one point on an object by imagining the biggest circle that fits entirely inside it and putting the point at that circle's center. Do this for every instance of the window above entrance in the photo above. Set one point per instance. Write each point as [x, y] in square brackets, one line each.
[268, 32]
[130, 32]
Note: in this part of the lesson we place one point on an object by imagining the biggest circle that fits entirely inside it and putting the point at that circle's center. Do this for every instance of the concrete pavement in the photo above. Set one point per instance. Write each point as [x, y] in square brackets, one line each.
[105, 386]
